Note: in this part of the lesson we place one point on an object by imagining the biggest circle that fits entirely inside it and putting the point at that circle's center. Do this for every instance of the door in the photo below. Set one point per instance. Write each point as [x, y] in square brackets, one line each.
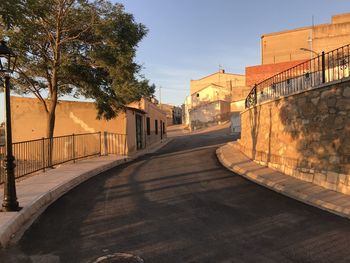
[139, 132]
[161, 130]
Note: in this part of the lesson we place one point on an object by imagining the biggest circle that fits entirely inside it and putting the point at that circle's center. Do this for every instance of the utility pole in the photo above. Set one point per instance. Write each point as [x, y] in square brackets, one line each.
[312, 28]
[160, 96]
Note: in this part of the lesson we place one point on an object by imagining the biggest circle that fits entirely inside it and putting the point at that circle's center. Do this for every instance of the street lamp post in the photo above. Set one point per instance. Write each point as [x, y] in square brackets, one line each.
[309, 50]
[7, 65]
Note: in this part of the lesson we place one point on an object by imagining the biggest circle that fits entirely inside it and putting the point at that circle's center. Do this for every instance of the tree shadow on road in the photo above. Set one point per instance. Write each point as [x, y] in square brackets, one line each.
[184, 207]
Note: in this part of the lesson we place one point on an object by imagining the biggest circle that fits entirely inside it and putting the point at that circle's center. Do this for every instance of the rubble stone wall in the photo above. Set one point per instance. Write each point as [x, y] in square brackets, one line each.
[305, 135]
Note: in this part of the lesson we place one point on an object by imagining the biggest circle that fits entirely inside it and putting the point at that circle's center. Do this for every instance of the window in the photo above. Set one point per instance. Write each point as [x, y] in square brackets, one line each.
[148, 126]
[156, 126]
[163, 128]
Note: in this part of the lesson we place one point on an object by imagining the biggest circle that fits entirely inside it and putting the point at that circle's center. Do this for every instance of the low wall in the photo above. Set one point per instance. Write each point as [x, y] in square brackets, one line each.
[235, 122]
[210, 114]
[305, 135]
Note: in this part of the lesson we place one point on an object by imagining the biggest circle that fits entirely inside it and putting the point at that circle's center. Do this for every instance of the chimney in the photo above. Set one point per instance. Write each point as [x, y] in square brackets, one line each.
[221, 71]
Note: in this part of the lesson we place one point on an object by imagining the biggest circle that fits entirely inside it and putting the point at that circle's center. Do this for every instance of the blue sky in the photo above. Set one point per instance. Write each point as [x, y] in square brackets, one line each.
[189, 39]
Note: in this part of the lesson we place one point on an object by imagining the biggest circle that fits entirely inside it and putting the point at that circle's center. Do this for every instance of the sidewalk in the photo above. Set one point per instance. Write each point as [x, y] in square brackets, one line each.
[309, 193]
[37, 192]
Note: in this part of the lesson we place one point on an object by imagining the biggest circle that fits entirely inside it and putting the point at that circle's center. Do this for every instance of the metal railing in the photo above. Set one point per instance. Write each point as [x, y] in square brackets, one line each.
[327, 67]
[114, 143]
[35, 155]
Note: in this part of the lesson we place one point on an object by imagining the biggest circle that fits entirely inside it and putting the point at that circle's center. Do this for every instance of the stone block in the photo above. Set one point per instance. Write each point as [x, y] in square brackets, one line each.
[330, 186]
[327, 93]
[332, 110]
[332, 177]
[345, 189]
[342, 179]
[346, 92]
[315, 100]
[322, 107]
[339, 123]
[331, 101]
[288, 171]
[319, 178]
[306, 177]
[334, 159]
[295, 173]
[343, 104]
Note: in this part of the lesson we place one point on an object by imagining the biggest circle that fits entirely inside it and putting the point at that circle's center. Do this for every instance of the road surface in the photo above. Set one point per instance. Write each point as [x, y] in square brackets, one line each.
[180, 205]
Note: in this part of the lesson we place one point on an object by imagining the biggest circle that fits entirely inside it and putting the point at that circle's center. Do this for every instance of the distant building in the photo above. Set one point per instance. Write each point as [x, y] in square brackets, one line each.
[186, 112]
[220, 78]
[292, 45]
[173, 113]
[285, 49]
[210, 100]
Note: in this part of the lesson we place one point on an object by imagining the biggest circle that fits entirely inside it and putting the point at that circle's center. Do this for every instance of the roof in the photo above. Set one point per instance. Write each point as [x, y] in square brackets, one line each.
[209, 86]
[218, 72]
[136, 110]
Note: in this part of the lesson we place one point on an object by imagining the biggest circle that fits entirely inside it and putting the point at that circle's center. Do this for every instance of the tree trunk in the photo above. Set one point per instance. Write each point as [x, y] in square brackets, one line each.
[51, 117]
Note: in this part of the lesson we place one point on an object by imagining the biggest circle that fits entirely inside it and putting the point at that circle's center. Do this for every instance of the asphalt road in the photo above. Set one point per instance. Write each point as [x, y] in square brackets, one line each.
[180, 205]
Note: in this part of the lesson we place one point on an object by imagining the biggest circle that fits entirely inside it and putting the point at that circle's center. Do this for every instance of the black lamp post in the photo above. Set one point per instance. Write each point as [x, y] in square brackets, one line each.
[7, 66]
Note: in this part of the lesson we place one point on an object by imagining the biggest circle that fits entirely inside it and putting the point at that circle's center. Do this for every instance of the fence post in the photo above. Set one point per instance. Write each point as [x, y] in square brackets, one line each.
[105, 143]
[100, 143]
[43, 153]
[73, 146]
[323, 67]
[255, 95]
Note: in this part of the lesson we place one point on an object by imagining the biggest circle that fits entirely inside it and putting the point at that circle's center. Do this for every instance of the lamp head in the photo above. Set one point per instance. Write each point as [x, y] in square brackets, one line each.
[7, 58]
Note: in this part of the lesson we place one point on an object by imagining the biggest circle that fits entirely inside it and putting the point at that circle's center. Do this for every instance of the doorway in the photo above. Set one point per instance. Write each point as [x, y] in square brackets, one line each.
[139, 132]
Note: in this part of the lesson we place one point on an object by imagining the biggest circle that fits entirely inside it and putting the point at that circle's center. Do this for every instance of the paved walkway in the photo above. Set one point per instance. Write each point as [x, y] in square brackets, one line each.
[306, 192]
[37, 192]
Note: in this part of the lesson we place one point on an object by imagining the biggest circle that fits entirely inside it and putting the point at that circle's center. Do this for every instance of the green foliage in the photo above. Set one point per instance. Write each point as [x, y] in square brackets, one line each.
[76, 47]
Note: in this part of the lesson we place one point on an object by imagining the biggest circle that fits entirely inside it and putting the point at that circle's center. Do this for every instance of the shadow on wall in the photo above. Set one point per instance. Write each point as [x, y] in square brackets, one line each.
[310, 130]
[254, 119]
[319, 122]
[2, 135]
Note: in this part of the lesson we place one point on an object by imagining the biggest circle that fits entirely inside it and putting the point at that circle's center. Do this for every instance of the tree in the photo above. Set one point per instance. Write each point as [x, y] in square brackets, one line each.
[75, 47]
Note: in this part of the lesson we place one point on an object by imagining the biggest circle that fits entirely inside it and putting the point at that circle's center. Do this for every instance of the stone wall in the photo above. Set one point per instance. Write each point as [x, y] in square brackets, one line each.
[306, 135]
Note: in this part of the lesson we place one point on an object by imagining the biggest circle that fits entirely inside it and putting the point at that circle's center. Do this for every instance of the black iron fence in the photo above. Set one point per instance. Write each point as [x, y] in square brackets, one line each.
[114, 143]
[35, 155]
[327, 67]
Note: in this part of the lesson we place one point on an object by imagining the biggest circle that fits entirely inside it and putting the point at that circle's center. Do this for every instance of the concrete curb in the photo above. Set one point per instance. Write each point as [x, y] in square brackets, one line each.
[14, 224]
[299, 192]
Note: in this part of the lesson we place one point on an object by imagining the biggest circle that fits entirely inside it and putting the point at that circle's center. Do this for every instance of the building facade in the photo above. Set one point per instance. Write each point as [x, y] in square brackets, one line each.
[138, 126]
[211, 97]
[173, 113]
[295, 44]
[220, 78]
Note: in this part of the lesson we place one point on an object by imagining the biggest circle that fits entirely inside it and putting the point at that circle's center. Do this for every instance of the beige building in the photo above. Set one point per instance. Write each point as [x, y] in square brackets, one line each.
[291, 45]
[220, 78]
[173, 113]
[211, 98]
[140, 124]
[186, 111]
